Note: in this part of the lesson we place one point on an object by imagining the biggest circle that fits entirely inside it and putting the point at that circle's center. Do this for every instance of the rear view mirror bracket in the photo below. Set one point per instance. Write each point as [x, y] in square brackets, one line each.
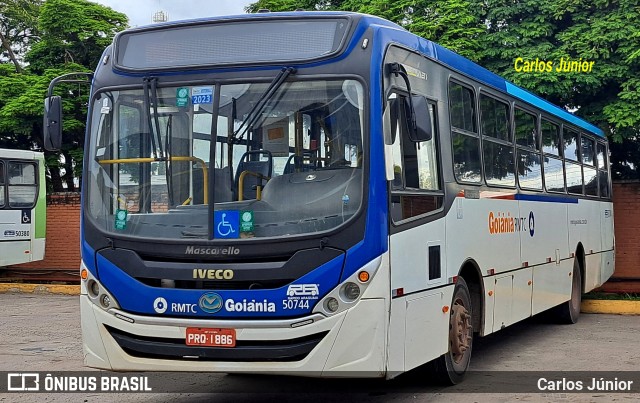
[52, 120]
[419, 124]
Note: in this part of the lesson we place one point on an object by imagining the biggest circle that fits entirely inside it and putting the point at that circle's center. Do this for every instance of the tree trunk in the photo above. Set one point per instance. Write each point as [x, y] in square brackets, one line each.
[6, 45]
[56, 180]
[68, 176]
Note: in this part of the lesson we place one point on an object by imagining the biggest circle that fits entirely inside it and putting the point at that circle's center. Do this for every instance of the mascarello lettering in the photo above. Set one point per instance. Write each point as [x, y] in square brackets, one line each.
[193, 250]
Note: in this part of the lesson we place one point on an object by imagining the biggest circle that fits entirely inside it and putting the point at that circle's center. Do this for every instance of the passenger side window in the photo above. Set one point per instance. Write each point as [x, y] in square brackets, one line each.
[550, 138]
[22, 184]
[415, 166]
[589, 173]
[573, 170]
[552, 161]
[603, 175]
[464, 134]
[497, 146]
[1, 184]
[529, 163]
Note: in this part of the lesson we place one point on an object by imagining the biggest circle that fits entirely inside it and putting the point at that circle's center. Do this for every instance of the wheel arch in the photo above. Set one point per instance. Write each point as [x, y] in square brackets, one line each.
[470, 272]
[580, 257]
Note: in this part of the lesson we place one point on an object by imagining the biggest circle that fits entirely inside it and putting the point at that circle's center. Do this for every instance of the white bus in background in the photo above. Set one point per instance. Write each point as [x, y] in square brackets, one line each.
[23, 206]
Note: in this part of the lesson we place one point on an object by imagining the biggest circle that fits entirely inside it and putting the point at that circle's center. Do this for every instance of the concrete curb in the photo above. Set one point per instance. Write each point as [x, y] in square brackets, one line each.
[616, 307]
[40, 288]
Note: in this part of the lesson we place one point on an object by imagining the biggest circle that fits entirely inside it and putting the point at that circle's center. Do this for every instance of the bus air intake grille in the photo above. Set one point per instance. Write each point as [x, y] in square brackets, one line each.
[245, 350]
[220, 285]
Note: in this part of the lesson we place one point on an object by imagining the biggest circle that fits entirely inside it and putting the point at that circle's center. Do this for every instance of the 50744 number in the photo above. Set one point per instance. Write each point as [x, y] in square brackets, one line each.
[295, 304]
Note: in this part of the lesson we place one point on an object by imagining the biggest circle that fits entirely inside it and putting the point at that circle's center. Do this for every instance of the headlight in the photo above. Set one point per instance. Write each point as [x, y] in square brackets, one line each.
[331, 304]
[350, 291]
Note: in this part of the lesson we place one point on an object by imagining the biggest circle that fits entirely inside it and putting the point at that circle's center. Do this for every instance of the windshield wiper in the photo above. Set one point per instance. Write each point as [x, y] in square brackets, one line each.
[254, 113]
[150, 91]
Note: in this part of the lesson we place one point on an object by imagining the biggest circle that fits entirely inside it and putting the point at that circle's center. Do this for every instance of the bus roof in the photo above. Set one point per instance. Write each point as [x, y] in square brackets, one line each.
[394, 33]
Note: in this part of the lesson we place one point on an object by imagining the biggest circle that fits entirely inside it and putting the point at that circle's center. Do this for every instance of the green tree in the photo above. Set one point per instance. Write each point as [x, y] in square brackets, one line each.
[452, 23]
[18, 29]
[74, 31]
[60, 36]
[494, 33]
[602, 31]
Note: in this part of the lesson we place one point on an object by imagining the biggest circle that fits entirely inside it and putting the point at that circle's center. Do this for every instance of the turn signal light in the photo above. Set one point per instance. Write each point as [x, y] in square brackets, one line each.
[84, 274]
[363, 276]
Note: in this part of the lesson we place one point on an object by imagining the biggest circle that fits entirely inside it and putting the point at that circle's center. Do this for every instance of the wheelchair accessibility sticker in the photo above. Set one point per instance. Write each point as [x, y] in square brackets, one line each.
[226, 224]
[25, 217]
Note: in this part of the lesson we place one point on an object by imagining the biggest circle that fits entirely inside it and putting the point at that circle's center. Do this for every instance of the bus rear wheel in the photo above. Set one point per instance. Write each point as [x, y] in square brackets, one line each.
[569, 312]
[451, 367]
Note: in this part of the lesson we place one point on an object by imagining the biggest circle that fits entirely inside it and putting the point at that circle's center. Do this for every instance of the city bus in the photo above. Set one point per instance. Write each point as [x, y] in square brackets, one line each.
[23, 206]
[323, 194]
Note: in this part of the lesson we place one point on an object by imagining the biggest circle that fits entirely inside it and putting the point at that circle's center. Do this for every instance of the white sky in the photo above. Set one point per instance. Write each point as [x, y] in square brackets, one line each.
[141, 11]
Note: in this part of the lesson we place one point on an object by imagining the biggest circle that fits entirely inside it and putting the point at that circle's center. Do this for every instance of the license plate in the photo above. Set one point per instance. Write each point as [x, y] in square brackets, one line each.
[203, 337]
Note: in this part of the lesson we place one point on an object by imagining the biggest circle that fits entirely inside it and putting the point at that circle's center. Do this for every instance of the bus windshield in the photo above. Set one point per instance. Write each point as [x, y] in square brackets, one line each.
[273, 163]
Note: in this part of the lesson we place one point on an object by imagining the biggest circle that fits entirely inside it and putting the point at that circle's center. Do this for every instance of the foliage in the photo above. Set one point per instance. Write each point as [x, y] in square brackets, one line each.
[494, 33]
[18, 29]
[450, 23]
[54, 37]
[612, 296]
[74, 31]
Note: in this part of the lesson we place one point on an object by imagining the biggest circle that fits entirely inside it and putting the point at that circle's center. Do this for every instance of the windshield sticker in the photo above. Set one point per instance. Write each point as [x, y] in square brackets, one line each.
[201, 95]
[121, 219]
[246, 222]
[226, 223]
[182, 96]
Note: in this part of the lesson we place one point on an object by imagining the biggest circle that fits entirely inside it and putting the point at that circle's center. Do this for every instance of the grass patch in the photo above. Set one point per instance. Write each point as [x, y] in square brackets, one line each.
[612, 296]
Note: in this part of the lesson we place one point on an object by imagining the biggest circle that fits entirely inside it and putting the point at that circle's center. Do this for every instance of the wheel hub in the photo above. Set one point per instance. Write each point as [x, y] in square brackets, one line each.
[459, 331]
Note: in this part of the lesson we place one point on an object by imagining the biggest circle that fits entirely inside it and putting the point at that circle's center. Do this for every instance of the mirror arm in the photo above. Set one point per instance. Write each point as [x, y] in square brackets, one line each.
[398, 70]
[65, 79]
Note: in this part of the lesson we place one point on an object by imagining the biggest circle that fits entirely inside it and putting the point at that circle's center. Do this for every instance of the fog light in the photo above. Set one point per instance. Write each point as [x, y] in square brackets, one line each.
[94, 288]
[351, 291]
[105, 301]
[331, 304]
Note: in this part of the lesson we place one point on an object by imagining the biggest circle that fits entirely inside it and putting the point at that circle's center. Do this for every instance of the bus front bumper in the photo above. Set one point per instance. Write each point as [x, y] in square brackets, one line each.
[351, 343]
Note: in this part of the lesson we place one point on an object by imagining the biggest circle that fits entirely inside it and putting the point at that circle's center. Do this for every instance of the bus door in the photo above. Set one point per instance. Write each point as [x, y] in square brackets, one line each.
[416, 225]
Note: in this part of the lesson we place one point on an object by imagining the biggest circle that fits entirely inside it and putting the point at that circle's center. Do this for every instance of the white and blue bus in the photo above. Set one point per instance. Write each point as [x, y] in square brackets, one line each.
[324, 194]
[23, 206]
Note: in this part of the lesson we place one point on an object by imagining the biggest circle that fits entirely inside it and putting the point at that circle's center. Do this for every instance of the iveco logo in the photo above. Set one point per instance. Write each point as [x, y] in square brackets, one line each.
[210, 302]
[212, 274]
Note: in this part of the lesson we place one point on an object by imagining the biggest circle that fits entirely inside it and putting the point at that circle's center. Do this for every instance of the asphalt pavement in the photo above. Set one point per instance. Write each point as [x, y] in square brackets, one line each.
[42, 333]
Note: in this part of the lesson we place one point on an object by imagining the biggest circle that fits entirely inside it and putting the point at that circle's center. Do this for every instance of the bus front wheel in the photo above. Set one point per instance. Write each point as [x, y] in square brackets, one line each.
[451, 367]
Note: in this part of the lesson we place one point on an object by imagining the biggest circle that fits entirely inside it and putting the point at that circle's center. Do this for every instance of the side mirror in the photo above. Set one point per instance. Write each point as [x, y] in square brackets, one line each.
[52, 124]
[420, 130]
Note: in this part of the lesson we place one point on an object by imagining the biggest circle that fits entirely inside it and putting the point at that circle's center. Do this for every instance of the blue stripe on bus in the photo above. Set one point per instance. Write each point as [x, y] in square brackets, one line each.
[549, 107]
[483, 75]
[546, 198]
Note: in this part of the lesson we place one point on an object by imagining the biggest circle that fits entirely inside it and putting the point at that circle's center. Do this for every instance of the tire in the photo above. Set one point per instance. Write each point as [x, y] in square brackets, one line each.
[451, 367]
[569, 312]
